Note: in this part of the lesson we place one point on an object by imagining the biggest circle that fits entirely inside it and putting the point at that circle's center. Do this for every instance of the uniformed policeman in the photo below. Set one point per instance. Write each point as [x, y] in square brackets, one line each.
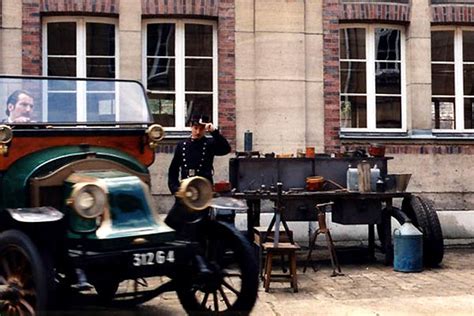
[194, 157]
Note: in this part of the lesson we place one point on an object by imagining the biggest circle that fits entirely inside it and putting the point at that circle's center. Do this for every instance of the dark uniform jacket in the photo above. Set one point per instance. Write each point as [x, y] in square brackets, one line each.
[196, 158]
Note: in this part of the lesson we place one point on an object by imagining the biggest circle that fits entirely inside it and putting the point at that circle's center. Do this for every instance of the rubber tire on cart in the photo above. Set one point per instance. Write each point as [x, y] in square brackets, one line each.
[423, 215]
[24, 274]
[225, 249]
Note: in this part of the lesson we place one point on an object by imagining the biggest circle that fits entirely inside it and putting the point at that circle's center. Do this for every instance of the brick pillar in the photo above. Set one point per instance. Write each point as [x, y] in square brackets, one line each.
[31, 38]
[331, 75]
[226, 69]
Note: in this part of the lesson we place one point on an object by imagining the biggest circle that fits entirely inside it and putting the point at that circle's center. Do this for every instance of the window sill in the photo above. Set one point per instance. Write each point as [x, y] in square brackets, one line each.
[416, 134]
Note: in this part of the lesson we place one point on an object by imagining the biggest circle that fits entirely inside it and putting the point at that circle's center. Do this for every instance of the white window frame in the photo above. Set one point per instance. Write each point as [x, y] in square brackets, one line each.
[458, 78]
[370, 78]
[81, 56]
[180, 124]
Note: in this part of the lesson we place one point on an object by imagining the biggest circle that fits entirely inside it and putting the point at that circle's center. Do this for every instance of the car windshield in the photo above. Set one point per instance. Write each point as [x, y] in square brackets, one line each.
[67, 101]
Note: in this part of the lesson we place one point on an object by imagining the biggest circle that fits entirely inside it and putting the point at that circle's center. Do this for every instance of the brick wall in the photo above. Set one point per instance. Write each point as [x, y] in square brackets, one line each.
[398, 12]
[331, 10]
[31, 37]
[108, 7]
[209, 8]
[452, 13]
[224, 12]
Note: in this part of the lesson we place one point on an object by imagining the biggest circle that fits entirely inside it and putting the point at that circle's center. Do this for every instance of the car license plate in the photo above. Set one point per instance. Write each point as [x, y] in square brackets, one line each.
[152, 257]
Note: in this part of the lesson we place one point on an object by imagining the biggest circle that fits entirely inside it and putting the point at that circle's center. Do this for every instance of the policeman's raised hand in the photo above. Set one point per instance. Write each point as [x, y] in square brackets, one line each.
[209, 127]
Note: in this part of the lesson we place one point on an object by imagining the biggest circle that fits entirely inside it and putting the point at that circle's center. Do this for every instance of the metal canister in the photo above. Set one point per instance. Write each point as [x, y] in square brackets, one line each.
[408, 248]
[248, 141]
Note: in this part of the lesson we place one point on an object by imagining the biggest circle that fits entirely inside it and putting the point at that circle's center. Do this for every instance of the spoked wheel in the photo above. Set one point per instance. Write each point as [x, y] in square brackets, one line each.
[23, 276]
[423, 215]
[231, 285]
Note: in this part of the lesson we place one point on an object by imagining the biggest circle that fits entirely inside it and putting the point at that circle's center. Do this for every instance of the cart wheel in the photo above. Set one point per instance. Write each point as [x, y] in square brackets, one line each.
[423, 215]
[24, 275]
[233, 282]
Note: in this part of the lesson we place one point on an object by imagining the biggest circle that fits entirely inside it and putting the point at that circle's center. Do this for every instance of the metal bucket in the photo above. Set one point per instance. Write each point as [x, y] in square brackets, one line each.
[408, 249]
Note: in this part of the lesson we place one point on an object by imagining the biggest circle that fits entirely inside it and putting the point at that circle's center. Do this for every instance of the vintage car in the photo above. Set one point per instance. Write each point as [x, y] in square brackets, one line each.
[76, 210]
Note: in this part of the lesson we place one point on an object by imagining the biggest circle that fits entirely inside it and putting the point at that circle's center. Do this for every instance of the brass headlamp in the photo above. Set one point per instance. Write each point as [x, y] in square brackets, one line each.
[155, 133]
[6, 136]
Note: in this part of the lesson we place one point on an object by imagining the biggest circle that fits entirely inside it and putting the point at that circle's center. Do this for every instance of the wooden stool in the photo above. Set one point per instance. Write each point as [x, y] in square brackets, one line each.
[324, 231]
[260, 237]
[283, 248]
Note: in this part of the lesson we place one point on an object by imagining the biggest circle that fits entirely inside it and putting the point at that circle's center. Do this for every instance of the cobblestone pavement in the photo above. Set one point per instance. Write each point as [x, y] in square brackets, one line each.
[365, 289]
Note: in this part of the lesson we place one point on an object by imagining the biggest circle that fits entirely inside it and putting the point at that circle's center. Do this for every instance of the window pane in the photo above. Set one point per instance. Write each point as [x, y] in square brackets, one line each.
[387, 44]
[62, 107]
[62, 67]
[353, 112]
[352, 43]
[468, 45]
[62, 38]
[160, 39]
[101, 86]
[468, 113]
[442, 46]
[198, 40]
[162, 108]
[353, 77]
[61, 85]
[100, 39]
[161, 74]
[387, 78]
[443, 113]
[198, 75]
[442, 78]
[100, 107]
[198, 103]
[101, 67]
[468, 79]
[388, 112]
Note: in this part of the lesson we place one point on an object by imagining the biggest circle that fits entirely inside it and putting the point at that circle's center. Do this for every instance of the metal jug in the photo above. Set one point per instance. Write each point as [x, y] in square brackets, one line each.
[408, 248]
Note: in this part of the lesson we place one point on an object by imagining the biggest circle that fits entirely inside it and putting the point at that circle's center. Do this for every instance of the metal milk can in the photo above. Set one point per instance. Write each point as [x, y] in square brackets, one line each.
[408, 248]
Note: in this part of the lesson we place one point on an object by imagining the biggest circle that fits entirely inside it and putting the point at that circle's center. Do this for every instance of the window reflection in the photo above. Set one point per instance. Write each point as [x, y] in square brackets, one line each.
[353, 77]
[160, 39]
[387, 78]
[162, 108]
[387, 44]
[443, 113]
[353, 112]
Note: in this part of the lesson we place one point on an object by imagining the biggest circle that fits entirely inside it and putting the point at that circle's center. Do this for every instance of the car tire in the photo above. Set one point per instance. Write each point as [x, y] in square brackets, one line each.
[24, 275]
[423, 215]
[226, 252]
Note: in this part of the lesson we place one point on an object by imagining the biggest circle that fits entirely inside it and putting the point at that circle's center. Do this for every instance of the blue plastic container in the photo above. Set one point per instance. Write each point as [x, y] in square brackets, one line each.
[408, 249]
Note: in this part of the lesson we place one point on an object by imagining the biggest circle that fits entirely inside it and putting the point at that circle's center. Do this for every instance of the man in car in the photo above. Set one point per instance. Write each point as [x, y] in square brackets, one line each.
[19, 107]
[194, 156]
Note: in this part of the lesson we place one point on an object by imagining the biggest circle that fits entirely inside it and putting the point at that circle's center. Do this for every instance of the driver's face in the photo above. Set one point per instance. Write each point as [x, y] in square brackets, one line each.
[21, 111]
